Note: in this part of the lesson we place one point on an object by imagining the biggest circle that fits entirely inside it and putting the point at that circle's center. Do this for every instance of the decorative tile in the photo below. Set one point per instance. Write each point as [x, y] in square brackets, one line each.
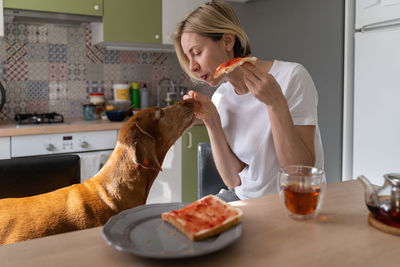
[94, 87]
[159, 72]
[175, 73]
[37, 33]
[16, 51]
[88, 35]
[112, 56]
[16, 70]
[38, 71]
[76, 53]
[129, 73]
[144, 72]
[57, 90]
[3, 55]
[57, 34]
[74, 108]
[37, 106]
[143, 58]
[108, 92]
[94, 54]
[57, 71]
[76, 71]
[38, 52]
[57, 53]
[3, 70]
[94, 72]
[38, 90]
[112, 72]
[16, 98]
[76, 35]
[59, 106]
[128, 57]
[42, 33]
[15, 32]
[159, 58]
[76, 90]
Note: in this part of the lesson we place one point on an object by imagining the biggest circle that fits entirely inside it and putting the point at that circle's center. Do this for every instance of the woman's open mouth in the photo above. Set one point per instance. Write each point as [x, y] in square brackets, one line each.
[204, 77]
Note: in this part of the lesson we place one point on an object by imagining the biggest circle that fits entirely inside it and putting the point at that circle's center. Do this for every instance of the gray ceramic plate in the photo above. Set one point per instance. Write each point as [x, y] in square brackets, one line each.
[142, 232]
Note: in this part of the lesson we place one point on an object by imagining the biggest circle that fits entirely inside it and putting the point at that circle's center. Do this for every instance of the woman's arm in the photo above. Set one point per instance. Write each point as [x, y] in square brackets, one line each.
[228, 165]
[294, 145]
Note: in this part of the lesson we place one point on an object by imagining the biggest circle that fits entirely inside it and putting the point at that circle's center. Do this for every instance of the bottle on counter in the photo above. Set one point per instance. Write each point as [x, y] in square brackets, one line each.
[135, 95]
[144, 97]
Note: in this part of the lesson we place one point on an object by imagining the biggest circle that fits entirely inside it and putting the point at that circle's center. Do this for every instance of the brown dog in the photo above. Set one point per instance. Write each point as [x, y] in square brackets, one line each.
[124, 182]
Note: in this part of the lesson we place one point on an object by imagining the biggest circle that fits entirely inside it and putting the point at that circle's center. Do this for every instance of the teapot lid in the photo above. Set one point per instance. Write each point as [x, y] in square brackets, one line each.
[394, 178]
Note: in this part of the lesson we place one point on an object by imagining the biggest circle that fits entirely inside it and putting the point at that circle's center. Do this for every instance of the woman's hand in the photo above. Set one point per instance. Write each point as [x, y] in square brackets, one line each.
[204, 109]
[262, 84]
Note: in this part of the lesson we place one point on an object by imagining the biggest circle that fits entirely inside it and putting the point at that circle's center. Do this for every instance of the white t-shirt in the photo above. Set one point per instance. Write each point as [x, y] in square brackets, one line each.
[245, 122]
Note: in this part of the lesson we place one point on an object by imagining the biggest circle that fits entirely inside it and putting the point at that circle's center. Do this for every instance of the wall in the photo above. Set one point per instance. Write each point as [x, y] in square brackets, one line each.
[309, 32]
[53, 68]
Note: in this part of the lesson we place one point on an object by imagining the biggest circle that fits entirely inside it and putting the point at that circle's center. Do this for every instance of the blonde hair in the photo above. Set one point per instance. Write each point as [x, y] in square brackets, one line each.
[212, 20]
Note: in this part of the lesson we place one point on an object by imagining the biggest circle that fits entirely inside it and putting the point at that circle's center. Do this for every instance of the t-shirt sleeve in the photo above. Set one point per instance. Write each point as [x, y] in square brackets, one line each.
[302, 97]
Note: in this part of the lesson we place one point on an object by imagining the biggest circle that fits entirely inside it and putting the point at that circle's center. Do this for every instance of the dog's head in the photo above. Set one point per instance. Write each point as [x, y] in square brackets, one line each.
[151, 132]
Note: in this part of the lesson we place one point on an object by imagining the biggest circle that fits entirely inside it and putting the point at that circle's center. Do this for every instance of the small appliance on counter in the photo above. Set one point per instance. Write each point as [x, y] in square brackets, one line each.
[38, 118]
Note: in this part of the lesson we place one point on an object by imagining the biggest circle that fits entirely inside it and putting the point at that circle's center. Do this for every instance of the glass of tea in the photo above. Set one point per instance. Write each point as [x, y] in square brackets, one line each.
[301, 190]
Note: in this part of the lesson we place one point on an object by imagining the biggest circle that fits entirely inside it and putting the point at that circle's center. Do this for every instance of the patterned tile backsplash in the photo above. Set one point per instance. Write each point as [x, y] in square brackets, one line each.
[53, 68]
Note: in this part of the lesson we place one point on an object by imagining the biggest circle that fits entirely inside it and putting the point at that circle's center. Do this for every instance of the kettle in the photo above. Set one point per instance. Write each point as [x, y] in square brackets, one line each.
[384, 202]
[2, 96]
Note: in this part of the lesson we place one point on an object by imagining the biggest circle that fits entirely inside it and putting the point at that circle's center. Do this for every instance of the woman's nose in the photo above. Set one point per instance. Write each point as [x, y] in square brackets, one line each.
[194, 66]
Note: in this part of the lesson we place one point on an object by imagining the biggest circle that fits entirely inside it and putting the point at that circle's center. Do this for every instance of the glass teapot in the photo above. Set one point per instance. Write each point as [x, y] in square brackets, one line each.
[384, 202]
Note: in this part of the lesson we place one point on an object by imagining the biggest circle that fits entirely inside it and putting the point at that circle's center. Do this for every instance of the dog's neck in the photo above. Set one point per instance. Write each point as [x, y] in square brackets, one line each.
[124, 180]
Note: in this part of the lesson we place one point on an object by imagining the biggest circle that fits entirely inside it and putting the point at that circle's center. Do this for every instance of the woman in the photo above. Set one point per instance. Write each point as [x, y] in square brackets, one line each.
[261, 116]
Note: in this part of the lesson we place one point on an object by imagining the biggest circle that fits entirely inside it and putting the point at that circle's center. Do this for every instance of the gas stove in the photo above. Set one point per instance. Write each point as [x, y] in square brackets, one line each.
[41, 118]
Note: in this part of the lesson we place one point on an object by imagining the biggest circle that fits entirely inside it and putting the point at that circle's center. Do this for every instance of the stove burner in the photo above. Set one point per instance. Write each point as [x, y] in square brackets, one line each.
[38, 118]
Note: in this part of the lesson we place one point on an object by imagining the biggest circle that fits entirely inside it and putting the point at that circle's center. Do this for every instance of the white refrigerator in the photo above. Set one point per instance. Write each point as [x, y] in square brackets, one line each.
[376, 91]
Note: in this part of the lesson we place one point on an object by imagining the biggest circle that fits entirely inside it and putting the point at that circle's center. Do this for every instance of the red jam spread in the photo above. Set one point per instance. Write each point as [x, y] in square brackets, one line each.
[230, 62]
[204, 214]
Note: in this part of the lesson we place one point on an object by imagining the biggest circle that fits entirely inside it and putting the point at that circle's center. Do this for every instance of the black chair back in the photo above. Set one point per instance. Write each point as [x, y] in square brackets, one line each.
[28, 176]
[209, 180]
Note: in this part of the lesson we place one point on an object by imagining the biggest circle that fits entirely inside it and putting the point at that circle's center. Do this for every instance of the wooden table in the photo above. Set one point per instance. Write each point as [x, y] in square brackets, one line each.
[340, 236]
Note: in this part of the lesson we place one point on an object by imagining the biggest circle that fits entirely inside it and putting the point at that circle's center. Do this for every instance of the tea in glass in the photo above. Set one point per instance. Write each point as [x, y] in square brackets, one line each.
[301, 190]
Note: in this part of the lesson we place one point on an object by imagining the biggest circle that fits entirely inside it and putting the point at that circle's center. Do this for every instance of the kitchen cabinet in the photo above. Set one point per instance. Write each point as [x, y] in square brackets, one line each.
[190, 139]
[5, 148]
[77, 7]
[127, 21]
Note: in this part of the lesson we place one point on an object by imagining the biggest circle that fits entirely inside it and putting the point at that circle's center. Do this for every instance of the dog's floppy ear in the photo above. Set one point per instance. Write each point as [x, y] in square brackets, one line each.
[143, 150]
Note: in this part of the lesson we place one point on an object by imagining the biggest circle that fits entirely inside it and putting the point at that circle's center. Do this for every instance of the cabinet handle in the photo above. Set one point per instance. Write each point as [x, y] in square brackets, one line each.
[190, 140]
[96, 7]
[157, 36]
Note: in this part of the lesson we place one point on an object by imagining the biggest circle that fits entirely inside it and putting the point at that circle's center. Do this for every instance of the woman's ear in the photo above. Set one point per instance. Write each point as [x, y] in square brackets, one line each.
[229, 41]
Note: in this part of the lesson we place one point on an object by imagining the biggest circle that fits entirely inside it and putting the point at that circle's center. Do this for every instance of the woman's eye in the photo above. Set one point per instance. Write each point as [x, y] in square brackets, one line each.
[197, 53]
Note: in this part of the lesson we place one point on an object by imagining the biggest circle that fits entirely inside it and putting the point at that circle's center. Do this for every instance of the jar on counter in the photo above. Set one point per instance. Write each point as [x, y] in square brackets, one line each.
[96, 98]
[89, 112]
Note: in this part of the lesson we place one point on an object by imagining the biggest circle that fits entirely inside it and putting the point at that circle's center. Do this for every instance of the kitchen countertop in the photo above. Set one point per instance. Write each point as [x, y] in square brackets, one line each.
[340, 236]
[10, 128]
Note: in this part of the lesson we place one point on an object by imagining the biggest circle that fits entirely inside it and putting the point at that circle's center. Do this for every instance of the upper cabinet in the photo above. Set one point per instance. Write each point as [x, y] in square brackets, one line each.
[130, 21]
[173, 11]
[141, 24]
[78, 7]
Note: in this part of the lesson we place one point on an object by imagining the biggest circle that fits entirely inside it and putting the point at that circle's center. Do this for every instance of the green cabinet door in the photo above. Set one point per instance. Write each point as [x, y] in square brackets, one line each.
[190, 139]
[132, 21]
[78, 7]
